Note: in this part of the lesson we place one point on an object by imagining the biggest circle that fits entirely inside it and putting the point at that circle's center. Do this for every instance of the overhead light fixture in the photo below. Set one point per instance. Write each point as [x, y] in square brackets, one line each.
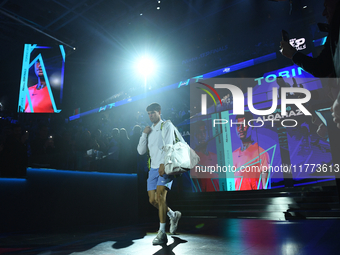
[158, 7]
[145, 66]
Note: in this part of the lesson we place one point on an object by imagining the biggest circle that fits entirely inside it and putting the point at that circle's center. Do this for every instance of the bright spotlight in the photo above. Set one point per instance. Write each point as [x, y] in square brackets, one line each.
[145, 66]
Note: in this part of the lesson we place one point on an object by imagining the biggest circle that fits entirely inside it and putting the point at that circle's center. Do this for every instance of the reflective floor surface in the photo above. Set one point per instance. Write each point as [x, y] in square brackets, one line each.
[196, 236]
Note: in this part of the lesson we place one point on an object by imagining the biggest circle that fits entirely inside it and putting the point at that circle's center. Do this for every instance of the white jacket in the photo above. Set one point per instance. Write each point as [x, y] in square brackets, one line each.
[154, 142]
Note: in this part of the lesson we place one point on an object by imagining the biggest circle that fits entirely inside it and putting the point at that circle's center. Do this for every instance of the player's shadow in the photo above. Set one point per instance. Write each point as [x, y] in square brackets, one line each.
[167, 249]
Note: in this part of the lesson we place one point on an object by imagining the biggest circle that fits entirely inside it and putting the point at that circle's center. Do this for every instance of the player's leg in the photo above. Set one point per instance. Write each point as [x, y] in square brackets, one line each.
[162, 206]
[161, 237]
[153, 198]
[152, 186]
[166, 181]
[160, 193]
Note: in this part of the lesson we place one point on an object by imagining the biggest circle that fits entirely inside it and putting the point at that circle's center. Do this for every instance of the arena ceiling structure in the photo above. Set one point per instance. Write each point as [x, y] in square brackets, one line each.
[102, 39]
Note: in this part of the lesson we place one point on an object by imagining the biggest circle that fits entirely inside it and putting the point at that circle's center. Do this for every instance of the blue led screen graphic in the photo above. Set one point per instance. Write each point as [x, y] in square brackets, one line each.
[221, 146]
[274, 145]
[42, 79]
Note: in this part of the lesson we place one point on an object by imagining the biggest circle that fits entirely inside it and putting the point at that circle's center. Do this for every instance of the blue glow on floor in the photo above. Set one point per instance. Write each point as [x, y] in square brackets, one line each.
[44, 170]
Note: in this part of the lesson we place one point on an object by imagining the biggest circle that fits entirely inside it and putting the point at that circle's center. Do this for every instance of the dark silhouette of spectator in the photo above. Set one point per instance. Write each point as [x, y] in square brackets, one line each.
[99, 143]
[78, 146]
[94, 140]
[322, 65]
[136, 133]
[83, 144]
[125, 152]
[42, 148]
[138, 160]
[13, 157]
[114, 144]
[5, 132]
[73, 147]
[66, 151]
[114, 150]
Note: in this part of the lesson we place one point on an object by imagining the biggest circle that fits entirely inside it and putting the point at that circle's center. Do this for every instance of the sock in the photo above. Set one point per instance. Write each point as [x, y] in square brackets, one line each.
[171, 213]
[162, 227]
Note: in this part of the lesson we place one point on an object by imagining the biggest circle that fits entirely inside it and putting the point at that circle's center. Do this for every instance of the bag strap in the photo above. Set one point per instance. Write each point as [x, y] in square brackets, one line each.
[163, 132]
[149, 160]
[178, 136]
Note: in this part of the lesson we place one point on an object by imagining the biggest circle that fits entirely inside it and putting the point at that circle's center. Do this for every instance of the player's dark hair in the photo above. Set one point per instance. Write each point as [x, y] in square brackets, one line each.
[153, 107]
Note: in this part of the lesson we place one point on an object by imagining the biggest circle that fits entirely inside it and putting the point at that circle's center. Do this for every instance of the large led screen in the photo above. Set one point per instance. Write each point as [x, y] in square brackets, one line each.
[42, 79]
[253, 151]
[224, 150]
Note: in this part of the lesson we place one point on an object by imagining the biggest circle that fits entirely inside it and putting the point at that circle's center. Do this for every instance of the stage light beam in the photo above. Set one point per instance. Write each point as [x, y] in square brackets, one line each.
[146, 66]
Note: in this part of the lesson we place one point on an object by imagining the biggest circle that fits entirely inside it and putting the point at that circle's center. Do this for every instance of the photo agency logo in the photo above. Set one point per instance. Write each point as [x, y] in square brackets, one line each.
[238, 104]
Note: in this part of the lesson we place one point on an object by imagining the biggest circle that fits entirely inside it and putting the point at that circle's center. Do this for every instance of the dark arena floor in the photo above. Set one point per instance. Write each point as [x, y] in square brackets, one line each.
[198, 236]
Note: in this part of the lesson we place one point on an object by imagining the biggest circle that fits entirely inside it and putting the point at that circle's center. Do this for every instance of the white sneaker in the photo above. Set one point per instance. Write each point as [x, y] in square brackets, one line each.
[174, 222]
[160, 238]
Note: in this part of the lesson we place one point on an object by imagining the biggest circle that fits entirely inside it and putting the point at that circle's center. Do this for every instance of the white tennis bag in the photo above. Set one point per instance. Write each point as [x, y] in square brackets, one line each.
[179, 157]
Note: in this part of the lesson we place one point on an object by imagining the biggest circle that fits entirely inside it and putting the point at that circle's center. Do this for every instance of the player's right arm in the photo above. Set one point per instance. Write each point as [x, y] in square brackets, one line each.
[142, 147]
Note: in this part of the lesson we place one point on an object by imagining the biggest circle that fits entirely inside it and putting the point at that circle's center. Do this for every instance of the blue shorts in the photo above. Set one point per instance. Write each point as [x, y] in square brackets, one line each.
[155, 180]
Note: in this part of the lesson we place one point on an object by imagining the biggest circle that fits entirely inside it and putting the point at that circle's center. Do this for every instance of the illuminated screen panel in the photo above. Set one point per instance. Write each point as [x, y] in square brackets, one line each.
[42, 79]
[272, 147]
[223, 154]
